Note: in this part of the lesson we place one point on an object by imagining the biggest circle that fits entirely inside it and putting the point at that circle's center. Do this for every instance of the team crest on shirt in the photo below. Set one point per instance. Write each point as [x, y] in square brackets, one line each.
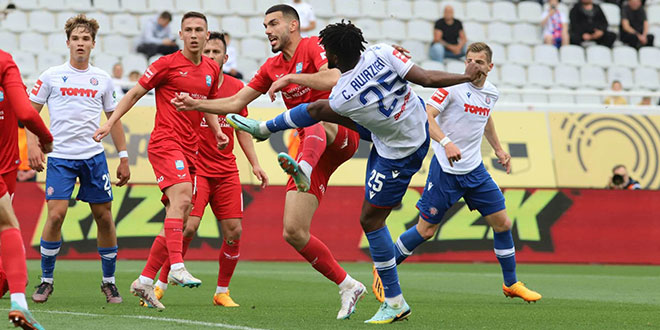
[94, 81]
[299, 67]
[487, 99]
[2, 96]
[179, 165]
[208, 80]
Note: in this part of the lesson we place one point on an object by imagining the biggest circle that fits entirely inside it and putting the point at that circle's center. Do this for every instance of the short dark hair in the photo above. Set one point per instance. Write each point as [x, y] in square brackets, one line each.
[344, 40]
[166, 15]
[194, 14]
[286, 11]
[219, 36]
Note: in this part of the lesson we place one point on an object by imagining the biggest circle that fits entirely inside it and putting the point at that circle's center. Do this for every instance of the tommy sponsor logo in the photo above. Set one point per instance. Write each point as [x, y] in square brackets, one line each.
[179, 165]
[476, 110]
[395, 174]
[440, 95]
[85, 92]
[37, 87]
[94, 81]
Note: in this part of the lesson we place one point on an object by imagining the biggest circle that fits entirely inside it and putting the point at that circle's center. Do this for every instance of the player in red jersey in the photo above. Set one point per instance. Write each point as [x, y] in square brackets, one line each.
[323, 146]
[173, 144]
[14, 105]
[217, 183]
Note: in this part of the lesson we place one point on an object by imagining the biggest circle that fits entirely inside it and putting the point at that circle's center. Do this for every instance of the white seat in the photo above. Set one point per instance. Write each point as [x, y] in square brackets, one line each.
[420, 30]
[79, 5]
[585, 98]
[625, 56]
[567, 76]
[236, 26]
[105, 23]
[593, 76]
[108, 6]
[494, 75]
[478, 11]
[454, 66]
[546, 54]
[134, 62]
[505, 11]
[248, 67]
[26, 63]
[513, 75]
[373, 8]
[116, 45]
[57, 43]
[42, 21]
[370, 29]
[558, 98]
[183, 6]
[16, 21]
[474, 31]
[622, 74]
[158, 6]
[31, 42]
[253, 48]
[530, 12]
[214, 24]
[125, 24]
[433, 65]
[427, 10]
[8, 41]
[105, 62]
[28, 5]
[52, 5]
[323, 8]
[418, 49]
[534, 98]
[647, 78]
[540, 75]
[506, 97]
[394, 29]
[459, 9]
[500, 32]
[348, 8]
[519, 54]
[572, 55]
[648, 56]
[47, 60]
[215, 7]
[399, 9]
[526, 34]
[612, 13]
[255, 26]
[599, 55]
[499, 53]
[136, 6]
[562, 8]
[653, 14]
[62, 17]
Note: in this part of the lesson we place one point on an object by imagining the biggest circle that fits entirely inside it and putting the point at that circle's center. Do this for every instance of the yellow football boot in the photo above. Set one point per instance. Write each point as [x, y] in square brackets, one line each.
[519, 290]
[223, 299]
[377, 286]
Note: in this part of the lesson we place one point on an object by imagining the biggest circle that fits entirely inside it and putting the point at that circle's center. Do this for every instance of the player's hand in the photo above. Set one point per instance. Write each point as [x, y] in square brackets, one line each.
[222, 140]
[277, 86]
[402, 50]
[453, 153]
[504, 158]
[123, 172]
[261, 175]
[473, 71]
[102, 132]
[36, 157]
[183, 102]
[46, 147]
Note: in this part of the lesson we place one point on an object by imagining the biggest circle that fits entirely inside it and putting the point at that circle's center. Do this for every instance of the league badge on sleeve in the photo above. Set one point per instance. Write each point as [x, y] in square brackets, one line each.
[2, 96]
[208, 80]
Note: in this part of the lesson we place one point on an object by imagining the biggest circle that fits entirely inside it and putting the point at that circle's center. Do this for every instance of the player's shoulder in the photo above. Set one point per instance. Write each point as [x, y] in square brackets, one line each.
[5, 58]
[231, 82]
[56, 70]
[489, 88]
[98, 71]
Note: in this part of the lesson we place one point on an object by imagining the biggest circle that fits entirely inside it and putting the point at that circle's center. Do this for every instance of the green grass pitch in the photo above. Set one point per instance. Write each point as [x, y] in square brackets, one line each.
[294, 296]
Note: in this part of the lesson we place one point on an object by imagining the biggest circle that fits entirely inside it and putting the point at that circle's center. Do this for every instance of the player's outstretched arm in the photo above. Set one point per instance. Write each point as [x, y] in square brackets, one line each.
[126, 103]
[451, 150]
[119, 140]
[438, 79]
[223, 106]
[503, 157]
[323, 80]
[245, 141]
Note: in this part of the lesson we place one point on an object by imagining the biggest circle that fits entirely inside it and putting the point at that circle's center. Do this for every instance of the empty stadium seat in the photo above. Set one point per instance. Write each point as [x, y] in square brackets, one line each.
[105, 24]
[562, 8]
[530, 11]
[399, 9]
[370, 29]
[214, 24]
[526, 34]
[215, 7]
[500, 32]
[559, 98]
[593, 76]
[653, 14]
[322, 8]
[572, 54]
[28, 5]
[8, 41]
[47, 60]
[373, 8]
[26, 63]
[648, 56]
[52, 5]
[625, 56]
[567, 76]
[514, 75]
[612, 13]
[546, 54]
[474, 31]
[108, 6]
[499, 53]
[418, 49]
[134, 62]
[183, 6]
[519, 54]
[599, 55]
[253, 48]
[432, 65]
[426, 10]
[62, 17]
[248, 67]
[32, 42]
[647, 78]
[540, 75]
[105, 62]
[585, 98]
[236, 26]
[622, 74]
[454, 66]
[494, 75]
[125, 24]
[255, 27]
[347, 8]
[393, 29]
[157, 6]
[79, 5]
[420, 30]
[57, 43]
[505, 11]
[534, 97]
[478, 11]
[116, 45]
[42, 21]
[508, 97]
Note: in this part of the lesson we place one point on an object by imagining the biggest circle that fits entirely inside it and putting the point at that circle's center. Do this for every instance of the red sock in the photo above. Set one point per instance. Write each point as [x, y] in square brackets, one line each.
[313, 144]
[318, 254]
[165, 270]
[227, 262]
[174, 237]
[157, 256]
[12, 252]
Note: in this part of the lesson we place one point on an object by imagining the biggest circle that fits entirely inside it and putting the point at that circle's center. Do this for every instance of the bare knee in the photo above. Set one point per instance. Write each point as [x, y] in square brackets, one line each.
[233, 234]
[426, 231]
[190, 229]
[55, 219]
[295, 236]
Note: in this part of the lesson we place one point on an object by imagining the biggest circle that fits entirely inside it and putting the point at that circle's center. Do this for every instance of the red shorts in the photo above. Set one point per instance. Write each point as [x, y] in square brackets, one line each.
[342, 149]
[224, 194]
[171, 165]
[8, 183]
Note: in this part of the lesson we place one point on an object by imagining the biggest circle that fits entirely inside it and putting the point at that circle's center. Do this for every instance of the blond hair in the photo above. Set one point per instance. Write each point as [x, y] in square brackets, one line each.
[478, 47]
[89, 24]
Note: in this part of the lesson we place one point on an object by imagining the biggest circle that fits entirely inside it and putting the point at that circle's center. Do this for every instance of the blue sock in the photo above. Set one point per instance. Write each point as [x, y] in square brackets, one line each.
[506, 255]
[108, 261]
[294, 118]
[49, 251]
[382, 253]
[407, 242]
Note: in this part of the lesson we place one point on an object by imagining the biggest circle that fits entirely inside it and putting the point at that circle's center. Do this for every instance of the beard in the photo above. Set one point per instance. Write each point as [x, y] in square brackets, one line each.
[282, 41]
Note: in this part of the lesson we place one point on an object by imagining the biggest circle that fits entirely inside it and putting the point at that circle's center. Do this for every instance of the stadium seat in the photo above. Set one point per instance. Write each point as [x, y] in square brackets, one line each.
[455, 66]
[322, 8]
[562, 8]
[248, 67]
[242, 7]
[321, 23]
[182, 6]
[427, 10]
[27, 5]
[116, 45]
[647, 78]
[47, 60]
[572, 55]
[599, 55]
[105, 62]
[418, 49]
[519, 54]
[394, 29]
[584, 98]
[653, 14]
[540, 75]
[236, 26]
[134, 62]
[370, 29]
[215, 7]
[136, 6]
[214, 24]
[500, 32]
[534, 98]
[32, 42]
[648, 56]
[105, 25]
[255, 27]
[478, 11]
[513, 75]
[253, 48]
[432, 65]
[559, 98]
[622, 74]
[57, 43]
[8, 41]
[499, 53]
[108, 6]
[16, 21]
[612, 13]
[348, 8]
[26, 63]
[625, 56]
[52, 5]
[593, 76]
[527, 34]
[494, 75]
[62, 17]
[508, 97]
[530, 12]
[459, 9]
[474, 31]
[79, 5]
[567, 76]
[420, 30]
[546, 54]
[505, 11]
[158, 6]
[399, 9]
[125, 24]
[42, 21]
[373, 8]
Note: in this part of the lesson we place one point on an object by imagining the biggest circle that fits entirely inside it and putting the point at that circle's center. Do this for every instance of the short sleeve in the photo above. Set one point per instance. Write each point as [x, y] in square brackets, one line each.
[399, 62]
[459, 25]
[41, 89]
[440, 99]
[155, 73]
[437, 25]
[261, 81]
[109, 97]
[316, 53]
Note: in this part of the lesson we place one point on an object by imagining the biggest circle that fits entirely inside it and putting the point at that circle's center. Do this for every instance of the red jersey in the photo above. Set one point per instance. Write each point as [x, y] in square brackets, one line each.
[171, 75]
[212, 162]
[308, 58]
[14, 106]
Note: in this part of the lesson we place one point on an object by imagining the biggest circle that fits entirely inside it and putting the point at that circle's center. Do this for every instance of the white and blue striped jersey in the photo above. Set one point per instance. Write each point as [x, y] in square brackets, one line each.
[375, 95]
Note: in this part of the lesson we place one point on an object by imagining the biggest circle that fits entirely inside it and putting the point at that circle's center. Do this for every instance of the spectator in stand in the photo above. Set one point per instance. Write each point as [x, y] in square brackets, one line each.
[616, 99]
[621, 180]
[118, 80]
[555, 25]
[307, 17]
[448, 37]
[157, 38]
[588, 23]
[231, 66]
[634, 25]
[646, 100]
[134, 76]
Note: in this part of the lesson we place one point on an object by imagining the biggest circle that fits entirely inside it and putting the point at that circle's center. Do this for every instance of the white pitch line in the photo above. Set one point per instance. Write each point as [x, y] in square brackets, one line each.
[152, 318]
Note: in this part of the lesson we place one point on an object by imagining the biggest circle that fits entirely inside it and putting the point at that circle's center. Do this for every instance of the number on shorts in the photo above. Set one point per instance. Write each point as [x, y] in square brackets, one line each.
[376, 178]
[106, 179]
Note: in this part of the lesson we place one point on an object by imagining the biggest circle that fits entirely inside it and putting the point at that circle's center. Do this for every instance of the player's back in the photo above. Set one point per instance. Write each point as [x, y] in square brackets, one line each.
[375, 95]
